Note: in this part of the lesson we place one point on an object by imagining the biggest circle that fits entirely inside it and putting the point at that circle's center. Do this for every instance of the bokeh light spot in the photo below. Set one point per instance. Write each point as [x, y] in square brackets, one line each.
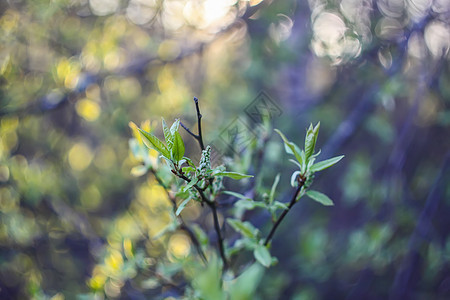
[80, 156]
[88, 109]
[179, 245]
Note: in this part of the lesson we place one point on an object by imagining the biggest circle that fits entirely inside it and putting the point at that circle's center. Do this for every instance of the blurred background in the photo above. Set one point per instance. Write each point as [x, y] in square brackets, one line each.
[375, 73]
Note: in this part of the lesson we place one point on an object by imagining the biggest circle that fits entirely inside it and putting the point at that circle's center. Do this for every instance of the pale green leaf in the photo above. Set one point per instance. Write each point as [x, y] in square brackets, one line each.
[280, 205]
[244, 228]
[237, 195]
[245, 285]
[182, 206]
[319, 197]
[151, 141]
[310, 140]
[174, 127]
[274, 187]
[233, 175]
[168, 136]
[322, 165]
[294, 148]
[262, 255]
[294, 176]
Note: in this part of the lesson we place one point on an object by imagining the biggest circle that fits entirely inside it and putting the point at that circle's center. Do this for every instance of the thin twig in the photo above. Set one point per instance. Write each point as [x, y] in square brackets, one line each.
[183, 226]
[198, 136]
[213, 206]
[283, 214]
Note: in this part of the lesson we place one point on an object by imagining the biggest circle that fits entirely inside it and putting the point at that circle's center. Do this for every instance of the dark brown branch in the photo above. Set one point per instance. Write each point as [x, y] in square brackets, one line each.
[212, 205]
[198, 136]
[283, 214]
[183, 225]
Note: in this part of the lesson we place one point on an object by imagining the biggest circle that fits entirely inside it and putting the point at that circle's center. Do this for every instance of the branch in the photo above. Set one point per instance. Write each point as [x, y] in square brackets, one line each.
[213, 206]
[183, 226]
[198, 136]
[283, 214]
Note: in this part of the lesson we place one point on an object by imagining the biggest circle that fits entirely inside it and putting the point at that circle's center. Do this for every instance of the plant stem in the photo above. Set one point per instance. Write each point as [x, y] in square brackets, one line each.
[283, 214]
[183, 225]
[213, 206]
[199, 136]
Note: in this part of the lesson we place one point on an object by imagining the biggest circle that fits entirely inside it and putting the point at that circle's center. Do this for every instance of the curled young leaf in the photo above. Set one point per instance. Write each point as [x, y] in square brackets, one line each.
[310, 140]
[294, 176]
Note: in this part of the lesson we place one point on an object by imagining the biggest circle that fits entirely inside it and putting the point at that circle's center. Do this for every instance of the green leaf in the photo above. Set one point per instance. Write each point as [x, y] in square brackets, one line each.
[188, 169]
[233, 175]
[280, 205]
[319, 197]
[245, 285]
[274, 187]
[322, 165]
[202, 237]
[153, 142]
[189, 161]
[244, 228]
[293, 147]
[310, 140]
[237, 195]
[178, 147]
[262, 255]
[182, 206]
[191, 183]
[168, 136]
[174, 127]
[296, 163]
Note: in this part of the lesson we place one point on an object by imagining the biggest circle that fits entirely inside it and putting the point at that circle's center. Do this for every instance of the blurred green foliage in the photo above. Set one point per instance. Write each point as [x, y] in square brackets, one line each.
[73, 73]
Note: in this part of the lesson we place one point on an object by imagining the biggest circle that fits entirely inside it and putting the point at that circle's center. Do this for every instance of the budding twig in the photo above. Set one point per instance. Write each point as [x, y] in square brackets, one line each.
[198, 136]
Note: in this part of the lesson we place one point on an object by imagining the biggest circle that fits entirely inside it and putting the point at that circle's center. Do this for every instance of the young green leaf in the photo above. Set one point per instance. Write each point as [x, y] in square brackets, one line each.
[295, 150]
[248, 204]
[168, 136]
[310, 140]
[262, 255]
[188, 169]
[274, 187]
[280, 205]
[182, 206]
[237, 195]
[244, 228]
[296, 163]
[294, 176]
[189, 161]
[153, 142]
[319, 197]
[244, 286]
[174, 127]
[178, 147]
[233, 175]
[322, 165]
